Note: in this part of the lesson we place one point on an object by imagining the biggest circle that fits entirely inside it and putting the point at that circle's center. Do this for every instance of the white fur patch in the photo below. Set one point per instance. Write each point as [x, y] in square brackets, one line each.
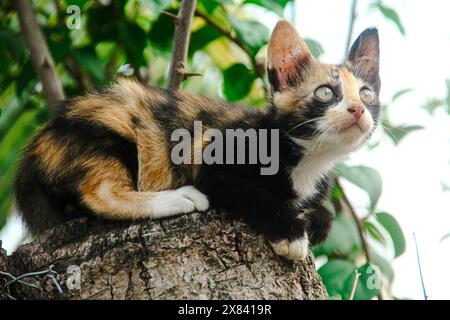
[173, 202]
[312, 168]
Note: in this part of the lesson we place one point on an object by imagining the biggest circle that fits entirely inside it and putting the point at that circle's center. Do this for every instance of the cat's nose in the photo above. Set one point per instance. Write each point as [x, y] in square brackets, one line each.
[356, 110]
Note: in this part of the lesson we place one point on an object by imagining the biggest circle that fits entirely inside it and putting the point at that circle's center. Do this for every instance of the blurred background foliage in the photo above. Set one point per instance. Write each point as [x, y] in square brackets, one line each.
[228, 47]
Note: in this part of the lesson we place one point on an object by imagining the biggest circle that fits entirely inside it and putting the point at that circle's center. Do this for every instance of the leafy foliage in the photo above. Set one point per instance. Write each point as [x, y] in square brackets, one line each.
[391, 15]
[393, 228]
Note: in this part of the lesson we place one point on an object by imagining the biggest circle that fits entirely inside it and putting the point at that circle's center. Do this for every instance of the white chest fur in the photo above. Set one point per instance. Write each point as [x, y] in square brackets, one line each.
[310, 170]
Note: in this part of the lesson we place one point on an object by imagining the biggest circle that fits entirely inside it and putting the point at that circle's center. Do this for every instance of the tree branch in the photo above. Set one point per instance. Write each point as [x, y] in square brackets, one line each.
[351, 25]
[181, 44]
[40, 55]
[194, 256]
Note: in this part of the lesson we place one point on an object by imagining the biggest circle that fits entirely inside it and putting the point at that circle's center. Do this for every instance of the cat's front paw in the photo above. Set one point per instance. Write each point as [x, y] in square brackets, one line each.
[292, 250]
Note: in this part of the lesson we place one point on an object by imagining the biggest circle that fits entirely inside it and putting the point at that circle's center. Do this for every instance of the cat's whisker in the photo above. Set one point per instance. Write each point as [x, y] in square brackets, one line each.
[332, 130]
[322, 138]
[305, 122]
[318, 137]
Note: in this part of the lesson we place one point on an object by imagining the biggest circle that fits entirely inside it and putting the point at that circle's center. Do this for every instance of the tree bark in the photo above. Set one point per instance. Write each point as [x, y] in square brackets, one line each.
[3, 267]
[196, 256]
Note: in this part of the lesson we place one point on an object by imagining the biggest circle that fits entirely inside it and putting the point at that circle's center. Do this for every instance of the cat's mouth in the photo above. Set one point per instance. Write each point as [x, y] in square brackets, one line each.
[353, 126]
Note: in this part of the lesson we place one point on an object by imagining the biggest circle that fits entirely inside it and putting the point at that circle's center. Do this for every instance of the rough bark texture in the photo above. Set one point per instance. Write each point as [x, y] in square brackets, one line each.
[197, 256]
[2, 267]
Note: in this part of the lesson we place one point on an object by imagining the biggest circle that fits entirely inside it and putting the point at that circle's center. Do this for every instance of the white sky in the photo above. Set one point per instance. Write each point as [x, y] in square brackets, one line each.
[413, 171]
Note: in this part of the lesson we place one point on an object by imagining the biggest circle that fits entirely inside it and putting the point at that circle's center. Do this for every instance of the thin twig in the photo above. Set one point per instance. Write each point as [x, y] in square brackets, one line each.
[73, 67]
[170, 15]
[191, 74]
[355, 217]
[351, 25]
[355, 282]
[181, 44]
[40, 55]
[362, 236]
[420, 269]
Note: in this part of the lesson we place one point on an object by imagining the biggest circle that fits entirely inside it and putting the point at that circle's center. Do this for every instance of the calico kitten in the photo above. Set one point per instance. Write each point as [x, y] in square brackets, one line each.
[108, 154]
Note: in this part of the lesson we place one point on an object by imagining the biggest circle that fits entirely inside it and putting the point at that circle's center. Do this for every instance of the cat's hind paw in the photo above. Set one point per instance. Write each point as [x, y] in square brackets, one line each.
[199, 200]
[292, 250]
[174, 202]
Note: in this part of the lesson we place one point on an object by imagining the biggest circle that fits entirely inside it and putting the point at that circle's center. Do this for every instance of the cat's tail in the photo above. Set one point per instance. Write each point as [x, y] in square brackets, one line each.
[35, 205]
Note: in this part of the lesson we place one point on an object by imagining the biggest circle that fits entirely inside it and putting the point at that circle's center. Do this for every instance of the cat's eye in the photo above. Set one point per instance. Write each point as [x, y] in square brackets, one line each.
[324, 94]
[367, 95]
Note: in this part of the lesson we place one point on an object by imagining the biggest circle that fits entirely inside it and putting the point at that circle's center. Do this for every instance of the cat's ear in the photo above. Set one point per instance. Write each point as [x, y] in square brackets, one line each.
[364, 56]
[287, 55]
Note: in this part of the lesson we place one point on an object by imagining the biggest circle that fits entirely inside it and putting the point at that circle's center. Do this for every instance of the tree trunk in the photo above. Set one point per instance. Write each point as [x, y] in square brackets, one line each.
[196, 256]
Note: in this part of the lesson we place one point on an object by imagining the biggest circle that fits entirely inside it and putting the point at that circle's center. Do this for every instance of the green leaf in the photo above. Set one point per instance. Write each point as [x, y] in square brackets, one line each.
[58, 41]
[395, 231]
[382, 263]
[162, 31]
[334, 275]
[368, 285]
[447, 236]
[366, 178]
[211, 5]
[401, 93]
[336, 193]
[24, 78]
[89, 61]
[315, 47]
[102, 23]
[392, 15]
[432, 105]
[237, 82]
[156, 6]
[271, 5]
[134, 40]
[398, 133]
[445, 187]
[343, 239]
[202, 37]
[79, 3]
[374, 145]
[447, 82]
[12, 45]
[252, 33]
[373, 230]
[10, 147]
